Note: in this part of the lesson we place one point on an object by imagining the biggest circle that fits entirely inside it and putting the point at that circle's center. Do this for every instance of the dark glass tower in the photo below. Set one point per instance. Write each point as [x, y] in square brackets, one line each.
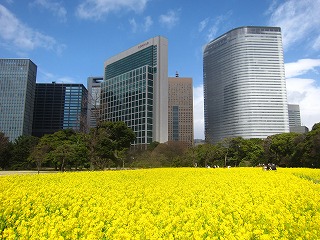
[59, 106]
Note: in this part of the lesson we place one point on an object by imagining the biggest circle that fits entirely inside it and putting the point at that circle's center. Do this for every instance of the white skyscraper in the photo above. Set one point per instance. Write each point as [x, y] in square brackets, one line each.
[244, 84]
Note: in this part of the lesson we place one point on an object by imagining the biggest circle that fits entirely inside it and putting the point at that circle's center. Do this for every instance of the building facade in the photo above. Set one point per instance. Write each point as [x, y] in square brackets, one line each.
[135, 90]
[180, 110]
[59, 106]
[94, 92]
[17, 91]
[295, 119]
[294, 115]
[244, 84]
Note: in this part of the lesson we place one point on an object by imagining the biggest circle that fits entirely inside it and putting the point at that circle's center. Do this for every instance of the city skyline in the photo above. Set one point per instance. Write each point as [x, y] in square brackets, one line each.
[69, 41]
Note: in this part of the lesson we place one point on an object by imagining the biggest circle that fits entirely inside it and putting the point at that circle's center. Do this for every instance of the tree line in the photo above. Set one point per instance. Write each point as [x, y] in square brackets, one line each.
[285, 150]
[104, 146]
[109, 146]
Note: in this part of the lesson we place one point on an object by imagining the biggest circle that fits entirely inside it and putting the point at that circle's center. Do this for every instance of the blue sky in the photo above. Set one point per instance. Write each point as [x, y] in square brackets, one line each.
[70, 40]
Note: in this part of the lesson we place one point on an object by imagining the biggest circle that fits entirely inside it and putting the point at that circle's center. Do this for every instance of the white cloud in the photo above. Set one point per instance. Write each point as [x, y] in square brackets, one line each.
[66, 79]
[297, 19]
[301, 67]
[211, 34]
[133, 24]
[17, 36]
[203, 24]
[316, 44]
[305, 92]
[147, 23]
[198, 112]
[271, 8]
[47, 77]
[55, 7]
[145, 26]
[170, 19]
[96, 9]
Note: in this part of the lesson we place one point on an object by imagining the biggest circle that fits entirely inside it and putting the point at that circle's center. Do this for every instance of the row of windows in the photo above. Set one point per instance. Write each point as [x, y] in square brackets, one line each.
[128, 92]
[133, 61]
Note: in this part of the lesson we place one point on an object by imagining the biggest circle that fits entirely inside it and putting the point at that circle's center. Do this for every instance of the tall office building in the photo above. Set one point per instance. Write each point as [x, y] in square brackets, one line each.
[94, 92]
[59, 106]
[294, 115]
[295, 119]
[135, 90]
[244, 84]
[17, 90]
[180, 110]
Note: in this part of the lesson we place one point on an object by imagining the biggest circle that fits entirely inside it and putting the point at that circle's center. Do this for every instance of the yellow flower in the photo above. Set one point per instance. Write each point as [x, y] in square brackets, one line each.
[186, 203]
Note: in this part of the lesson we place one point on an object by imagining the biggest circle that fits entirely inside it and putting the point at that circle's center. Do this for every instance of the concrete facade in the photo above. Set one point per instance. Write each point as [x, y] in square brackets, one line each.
[180, 110]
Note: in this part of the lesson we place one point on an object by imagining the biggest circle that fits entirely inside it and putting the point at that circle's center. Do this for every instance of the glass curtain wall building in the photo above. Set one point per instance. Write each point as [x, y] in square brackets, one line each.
[59, 106]
[135, 90]
[17, 92]
[244, 84]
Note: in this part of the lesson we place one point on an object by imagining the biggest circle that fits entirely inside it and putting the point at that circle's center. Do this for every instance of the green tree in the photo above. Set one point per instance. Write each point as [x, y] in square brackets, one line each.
[64, 154]
[5, 151]
[144, 159]
[64, 148]
[153, 145]
[204, 154]
[121, 155]
[280, 148]
[252, 152]
[236, 151]
[22, 148]
[309, 149]
[37, 155]
[168, 153]
[107, 138]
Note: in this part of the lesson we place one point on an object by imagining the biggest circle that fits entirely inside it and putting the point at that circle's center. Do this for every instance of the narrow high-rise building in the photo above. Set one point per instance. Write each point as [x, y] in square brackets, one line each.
[135, 90]
[294, 115]
[244, 84]
[94, 92]
[295, 119]
[59, 106]
[180, 110]
[17, 90]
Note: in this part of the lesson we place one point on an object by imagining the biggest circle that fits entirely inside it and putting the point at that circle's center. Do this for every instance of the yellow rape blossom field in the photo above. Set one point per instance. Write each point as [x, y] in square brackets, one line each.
[181, 203]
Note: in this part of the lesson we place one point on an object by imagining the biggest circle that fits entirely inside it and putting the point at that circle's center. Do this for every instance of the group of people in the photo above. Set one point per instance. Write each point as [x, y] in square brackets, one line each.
[269, 166]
